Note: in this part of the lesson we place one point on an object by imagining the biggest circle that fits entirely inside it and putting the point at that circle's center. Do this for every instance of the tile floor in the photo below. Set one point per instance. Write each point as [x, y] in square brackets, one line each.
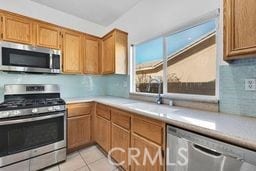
[88, 159]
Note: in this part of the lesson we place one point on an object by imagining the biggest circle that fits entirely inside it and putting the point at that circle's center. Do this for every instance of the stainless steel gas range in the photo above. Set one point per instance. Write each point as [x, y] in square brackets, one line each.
[32, 127]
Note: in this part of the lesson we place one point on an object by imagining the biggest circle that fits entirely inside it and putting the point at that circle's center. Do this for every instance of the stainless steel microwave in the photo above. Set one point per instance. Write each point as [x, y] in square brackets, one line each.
[27, 58]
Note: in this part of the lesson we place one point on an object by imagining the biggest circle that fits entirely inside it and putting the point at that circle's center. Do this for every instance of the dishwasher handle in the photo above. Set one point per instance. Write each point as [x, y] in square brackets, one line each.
[206, 151]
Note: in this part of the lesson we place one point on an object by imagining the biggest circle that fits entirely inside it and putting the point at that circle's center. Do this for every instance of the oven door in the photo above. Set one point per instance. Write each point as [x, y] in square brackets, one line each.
[19, 57]
[29, 137]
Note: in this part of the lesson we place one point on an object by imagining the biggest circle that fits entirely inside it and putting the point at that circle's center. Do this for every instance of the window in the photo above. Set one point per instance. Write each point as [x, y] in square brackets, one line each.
[189, 65]
[149, 60]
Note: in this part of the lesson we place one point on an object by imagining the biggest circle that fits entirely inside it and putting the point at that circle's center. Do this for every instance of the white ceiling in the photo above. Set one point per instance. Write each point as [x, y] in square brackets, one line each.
[103, 12]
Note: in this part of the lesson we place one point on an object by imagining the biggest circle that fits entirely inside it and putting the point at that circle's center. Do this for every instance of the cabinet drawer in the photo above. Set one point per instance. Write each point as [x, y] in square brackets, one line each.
[103, 111]
[79, 109]
[148, 129]
[121, 118]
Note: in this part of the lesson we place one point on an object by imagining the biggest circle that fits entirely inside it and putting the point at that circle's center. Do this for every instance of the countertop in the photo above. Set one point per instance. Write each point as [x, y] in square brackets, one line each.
[238, 130]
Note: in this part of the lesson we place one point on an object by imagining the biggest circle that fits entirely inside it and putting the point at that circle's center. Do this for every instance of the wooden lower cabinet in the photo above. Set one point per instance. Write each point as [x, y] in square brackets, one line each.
[103, 132]
[148, 147]
[114, 128]
[79, 131]
[120, 139]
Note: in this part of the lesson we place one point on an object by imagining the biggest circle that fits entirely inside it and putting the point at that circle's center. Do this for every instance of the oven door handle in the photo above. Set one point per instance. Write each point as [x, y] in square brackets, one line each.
[17, 121]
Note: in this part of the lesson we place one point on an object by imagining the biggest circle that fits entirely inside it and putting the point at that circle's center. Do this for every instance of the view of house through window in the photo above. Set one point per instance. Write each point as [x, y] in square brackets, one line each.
[149, 59]
[191, 61]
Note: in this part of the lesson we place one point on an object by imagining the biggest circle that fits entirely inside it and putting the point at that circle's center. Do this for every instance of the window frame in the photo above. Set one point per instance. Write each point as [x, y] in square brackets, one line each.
[213, 15]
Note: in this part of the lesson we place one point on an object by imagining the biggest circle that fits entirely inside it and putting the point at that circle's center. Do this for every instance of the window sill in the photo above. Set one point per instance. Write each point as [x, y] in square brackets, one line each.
[186, 97]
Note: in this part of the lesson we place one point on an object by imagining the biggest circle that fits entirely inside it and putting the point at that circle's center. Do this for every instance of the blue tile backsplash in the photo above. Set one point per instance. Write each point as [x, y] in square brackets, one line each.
[72, 86]
[233, 97]
[117, 85]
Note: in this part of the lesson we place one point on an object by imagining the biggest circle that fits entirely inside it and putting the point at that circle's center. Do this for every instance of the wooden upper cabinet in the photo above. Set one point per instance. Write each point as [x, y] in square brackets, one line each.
[1, 26]
[72, 60]
[108, 55]
[91, 54]
[114, 53]
[239, 29]
[121, 52]
[17, 29]
[48, 36]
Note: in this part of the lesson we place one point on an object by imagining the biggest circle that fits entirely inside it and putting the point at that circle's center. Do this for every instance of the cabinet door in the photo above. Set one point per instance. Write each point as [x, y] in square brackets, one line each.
[153, 149]
[91, 57]
[103, 133]
[120, 139]
[17, 29]
[72, 61]
[121, 53]
[239, 28]
[108, 55]
[48, 36]
[79, 131]
[1, 26]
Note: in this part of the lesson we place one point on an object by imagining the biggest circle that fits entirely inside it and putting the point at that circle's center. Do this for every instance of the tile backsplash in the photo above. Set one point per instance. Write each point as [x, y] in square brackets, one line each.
[72, 86]
[234, 98]
[117, 85]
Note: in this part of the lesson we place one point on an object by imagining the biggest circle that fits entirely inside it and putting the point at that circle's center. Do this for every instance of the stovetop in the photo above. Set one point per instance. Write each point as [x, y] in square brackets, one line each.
[16, 104]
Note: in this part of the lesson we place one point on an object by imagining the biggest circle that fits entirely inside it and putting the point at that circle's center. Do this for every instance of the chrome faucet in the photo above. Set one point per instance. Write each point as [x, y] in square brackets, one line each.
[159, 99]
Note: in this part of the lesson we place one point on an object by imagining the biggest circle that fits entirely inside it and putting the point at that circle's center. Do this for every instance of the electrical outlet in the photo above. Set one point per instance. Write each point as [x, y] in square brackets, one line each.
[250, 84]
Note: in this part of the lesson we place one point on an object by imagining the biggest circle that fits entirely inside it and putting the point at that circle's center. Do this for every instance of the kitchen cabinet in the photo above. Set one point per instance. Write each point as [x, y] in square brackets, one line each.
[17, 29]
[239, 29]
[108, 55]
[82, 53]
[48, 35]
[103, 133]
[79, 125]
[72, 52]
[114, 53]
[120, 136]
[78, 131]
[153, 150]
[1, 25]
[148, 136]
[103, 126]
[91, 54]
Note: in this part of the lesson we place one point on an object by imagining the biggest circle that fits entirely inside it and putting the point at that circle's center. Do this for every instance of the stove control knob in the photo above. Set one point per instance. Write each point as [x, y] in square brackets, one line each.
[57, 108]
[16, 113]
[4, 114]
[34, 110]
[51, 109]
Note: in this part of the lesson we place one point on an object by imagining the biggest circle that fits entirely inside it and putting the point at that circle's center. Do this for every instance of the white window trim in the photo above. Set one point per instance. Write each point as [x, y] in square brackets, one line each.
[193, 97]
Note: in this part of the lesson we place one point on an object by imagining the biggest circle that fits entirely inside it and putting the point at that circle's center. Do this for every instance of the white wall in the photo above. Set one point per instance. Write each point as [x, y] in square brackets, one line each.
[35, 10]
[151, 18]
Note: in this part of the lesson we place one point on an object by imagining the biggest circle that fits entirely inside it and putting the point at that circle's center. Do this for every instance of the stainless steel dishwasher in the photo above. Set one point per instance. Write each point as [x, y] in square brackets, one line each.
[187, 151]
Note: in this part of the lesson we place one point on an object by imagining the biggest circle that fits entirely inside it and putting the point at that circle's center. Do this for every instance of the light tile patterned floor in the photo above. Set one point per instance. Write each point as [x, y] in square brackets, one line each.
[88, 159]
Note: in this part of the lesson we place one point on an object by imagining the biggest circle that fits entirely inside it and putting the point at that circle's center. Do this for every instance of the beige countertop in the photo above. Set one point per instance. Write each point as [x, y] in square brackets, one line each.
[235, 129]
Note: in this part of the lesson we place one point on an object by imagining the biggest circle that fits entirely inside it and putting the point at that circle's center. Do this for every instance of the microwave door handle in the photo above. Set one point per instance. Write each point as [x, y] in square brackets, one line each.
[17, 121]
[51, 61]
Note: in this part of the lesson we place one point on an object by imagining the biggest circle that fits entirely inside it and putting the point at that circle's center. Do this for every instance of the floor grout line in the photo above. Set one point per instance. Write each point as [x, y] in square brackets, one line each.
[84, 160]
